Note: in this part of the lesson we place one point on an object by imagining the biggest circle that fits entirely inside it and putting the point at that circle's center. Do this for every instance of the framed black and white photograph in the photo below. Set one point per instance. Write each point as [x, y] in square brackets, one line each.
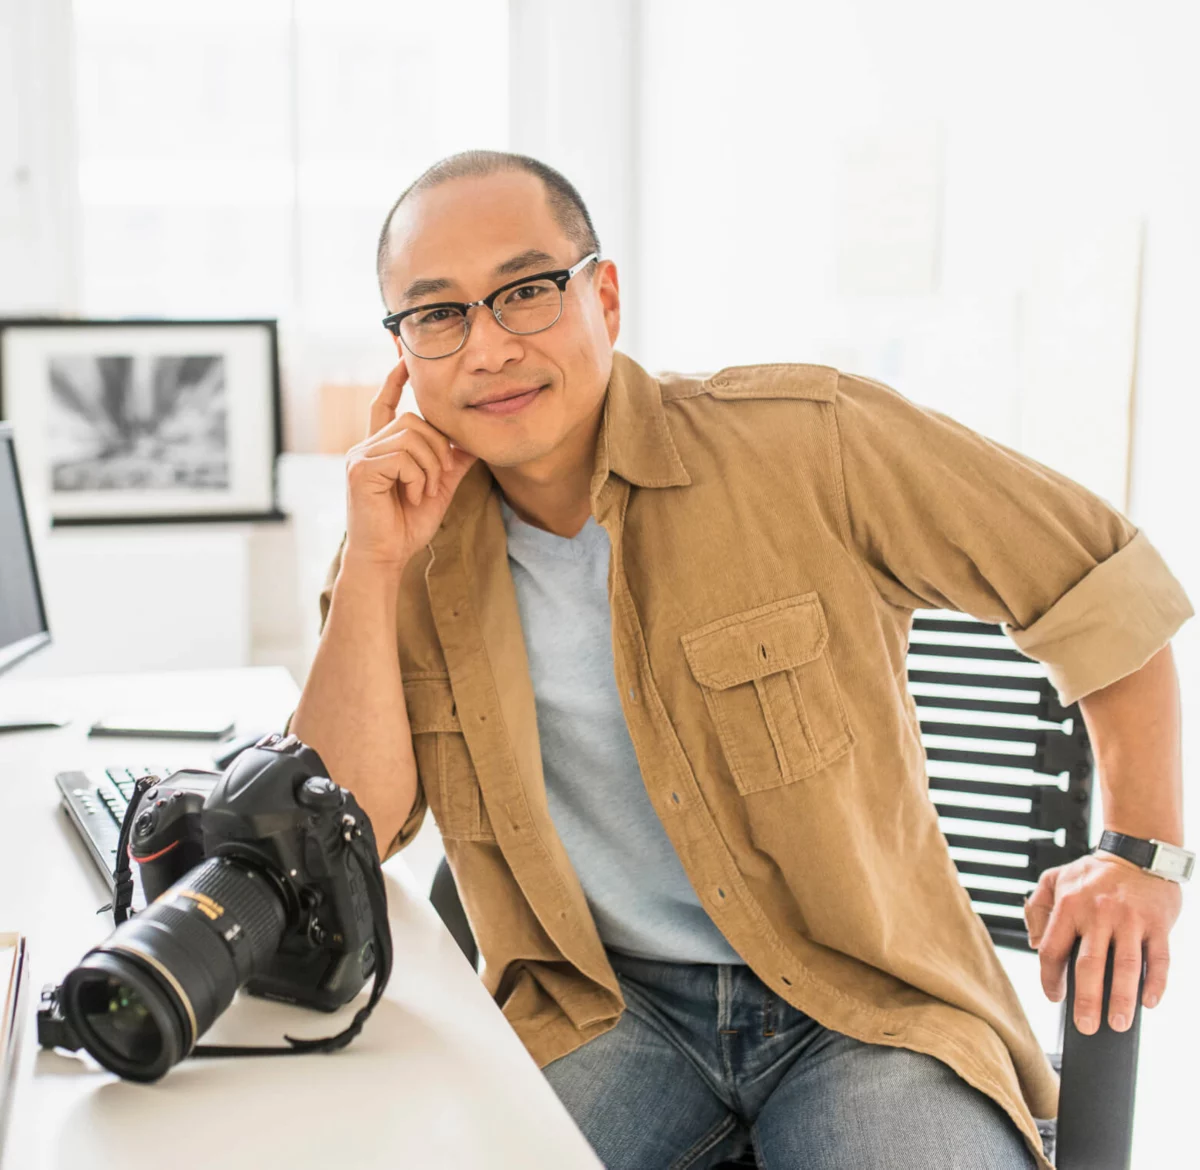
[145, 421]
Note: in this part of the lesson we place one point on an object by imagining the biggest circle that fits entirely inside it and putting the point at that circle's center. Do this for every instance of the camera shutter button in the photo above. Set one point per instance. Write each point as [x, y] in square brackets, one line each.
[319, 792]
[144, 824]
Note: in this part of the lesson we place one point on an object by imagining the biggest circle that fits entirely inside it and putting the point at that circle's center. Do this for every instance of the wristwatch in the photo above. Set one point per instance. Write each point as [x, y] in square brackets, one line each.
[1154, 856]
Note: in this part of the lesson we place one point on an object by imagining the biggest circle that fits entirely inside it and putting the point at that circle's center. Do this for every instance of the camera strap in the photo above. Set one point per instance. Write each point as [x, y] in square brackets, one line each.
[363, 852]
[123, 873]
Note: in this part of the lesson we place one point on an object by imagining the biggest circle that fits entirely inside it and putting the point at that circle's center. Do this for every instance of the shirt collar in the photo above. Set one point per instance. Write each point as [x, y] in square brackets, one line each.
[634, 442]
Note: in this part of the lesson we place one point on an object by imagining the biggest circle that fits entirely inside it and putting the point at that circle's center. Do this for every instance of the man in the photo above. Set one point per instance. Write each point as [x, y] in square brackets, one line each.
[640, 646]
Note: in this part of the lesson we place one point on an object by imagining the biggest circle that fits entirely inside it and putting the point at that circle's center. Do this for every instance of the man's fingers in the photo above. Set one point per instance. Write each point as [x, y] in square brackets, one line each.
[1039, 906]
[1127, 973]
[1089, 978]
[1054, 950]
[411, 475]
[396, 470]
[1036, 919]
[1158, 959]
[383, 405]
[1103, 907]
[418, 447]
[415, 424]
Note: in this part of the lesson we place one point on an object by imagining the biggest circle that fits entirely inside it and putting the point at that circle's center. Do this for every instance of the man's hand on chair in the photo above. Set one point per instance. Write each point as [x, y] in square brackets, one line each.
[1104, 899]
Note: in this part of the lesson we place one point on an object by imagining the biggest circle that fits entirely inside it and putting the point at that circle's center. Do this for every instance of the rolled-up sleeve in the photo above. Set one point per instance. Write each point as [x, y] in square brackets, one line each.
[944, 518]
[416, 816]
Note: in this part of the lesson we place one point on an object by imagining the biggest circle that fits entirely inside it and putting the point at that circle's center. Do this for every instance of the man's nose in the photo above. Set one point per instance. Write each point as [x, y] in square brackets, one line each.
[489, 345]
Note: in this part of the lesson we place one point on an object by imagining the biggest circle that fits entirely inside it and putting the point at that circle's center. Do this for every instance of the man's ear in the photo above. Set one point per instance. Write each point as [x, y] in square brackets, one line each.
[609, 291]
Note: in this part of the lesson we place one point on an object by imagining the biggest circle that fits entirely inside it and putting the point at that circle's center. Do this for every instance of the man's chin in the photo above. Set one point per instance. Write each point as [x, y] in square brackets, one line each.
[513, 455]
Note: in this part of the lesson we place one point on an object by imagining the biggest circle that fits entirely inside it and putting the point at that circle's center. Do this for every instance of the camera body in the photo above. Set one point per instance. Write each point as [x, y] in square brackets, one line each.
[166, 840]
[265, 876]
[277, 814]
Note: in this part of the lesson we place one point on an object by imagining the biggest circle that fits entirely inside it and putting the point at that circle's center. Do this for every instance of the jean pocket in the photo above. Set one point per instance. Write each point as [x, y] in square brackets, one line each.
[770, 688]
[444, 763]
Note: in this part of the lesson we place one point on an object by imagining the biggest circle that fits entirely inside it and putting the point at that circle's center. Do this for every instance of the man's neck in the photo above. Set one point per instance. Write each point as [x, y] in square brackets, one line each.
[555, 493]
[559, 501]
[552, 515]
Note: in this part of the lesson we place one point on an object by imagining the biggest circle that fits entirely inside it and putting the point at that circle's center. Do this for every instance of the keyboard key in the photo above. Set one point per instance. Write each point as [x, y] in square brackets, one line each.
[111, 801]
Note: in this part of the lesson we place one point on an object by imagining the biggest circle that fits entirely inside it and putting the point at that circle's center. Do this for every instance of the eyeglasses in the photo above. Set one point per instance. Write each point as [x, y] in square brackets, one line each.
[528, 305]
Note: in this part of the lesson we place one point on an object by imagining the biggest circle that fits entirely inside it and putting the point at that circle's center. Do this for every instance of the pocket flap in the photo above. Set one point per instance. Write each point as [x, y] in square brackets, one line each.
[430, 704]
[758, 642]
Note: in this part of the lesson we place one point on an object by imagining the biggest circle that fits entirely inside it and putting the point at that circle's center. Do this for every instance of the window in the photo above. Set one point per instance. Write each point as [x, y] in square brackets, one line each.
[237, 159]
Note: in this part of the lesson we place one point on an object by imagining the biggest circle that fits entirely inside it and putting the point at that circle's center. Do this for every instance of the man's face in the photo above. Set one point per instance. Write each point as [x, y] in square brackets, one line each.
[465, 232]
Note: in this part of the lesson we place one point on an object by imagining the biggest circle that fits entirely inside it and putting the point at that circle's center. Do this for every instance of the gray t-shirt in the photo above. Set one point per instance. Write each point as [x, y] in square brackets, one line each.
[639, 895]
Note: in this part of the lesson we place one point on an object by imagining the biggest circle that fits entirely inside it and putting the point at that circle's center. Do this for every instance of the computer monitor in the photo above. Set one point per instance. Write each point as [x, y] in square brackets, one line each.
[23, 625]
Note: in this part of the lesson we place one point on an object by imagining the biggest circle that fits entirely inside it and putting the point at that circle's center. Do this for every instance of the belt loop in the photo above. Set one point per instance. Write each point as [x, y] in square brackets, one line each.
[724, 997]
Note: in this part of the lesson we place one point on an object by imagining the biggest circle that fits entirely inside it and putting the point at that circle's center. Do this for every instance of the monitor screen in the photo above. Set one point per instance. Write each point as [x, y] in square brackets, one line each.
[23, 626]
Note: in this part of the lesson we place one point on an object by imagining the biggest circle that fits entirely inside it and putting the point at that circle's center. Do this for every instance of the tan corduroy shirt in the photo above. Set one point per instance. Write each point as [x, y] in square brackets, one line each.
[772, 528]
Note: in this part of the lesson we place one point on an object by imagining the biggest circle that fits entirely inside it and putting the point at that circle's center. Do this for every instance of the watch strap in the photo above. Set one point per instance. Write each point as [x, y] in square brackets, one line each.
[1131, 848]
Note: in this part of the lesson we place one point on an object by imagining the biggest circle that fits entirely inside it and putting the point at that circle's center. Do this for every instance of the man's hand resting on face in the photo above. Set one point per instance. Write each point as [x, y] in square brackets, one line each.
[399, 482]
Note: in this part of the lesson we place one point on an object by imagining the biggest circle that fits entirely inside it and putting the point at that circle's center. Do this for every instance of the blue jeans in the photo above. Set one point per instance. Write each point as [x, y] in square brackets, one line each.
[706, 1059]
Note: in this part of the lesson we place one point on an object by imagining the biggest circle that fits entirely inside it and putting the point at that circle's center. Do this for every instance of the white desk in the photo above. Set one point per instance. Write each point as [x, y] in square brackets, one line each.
[437, 1078]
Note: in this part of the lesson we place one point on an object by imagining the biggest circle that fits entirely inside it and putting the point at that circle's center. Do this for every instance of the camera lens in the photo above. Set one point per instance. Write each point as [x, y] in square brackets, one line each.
[119, 1018]
[141, 1000]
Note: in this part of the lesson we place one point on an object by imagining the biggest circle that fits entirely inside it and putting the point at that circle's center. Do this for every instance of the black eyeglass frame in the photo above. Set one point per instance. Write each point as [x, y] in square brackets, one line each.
[560, 276]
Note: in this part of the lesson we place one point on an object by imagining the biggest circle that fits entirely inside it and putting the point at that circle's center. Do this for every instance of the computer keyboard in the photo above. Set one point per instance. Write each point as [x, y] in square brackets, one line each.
[96, 802]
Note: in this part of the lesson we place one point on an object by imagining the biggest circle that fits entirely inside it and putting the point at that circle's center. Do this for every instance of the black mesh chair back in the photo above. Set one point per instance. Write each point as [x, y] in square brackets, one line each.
[1010, 768]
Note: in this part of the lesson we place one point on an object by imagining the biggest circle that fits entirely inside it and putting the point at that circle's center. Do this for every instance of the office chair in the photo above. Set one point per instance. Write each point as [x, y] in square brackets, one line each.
[1008, 816]
[1014, 798]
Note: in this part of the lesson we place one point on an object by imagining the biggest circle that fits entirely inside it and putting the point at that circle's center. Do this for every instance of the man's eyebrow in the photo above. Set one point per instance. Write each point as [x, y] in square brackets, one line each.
[530, 258]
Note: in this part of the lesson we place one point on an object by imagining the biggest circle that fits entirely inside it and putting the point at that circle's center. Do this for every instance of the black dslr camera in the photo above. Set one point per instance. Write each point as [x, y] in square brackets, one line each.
[266, 876]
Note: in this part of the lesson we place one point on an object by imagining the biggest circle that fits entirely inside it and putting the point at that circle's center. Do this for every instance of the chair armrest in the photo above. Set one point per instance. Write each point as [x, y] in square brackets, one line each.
[1099, 1077]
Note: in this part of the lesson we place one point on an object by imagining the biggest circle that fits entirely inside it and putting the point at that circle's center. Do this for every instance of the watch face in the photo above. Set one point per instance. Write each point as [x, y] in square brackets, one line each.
[1172, 862]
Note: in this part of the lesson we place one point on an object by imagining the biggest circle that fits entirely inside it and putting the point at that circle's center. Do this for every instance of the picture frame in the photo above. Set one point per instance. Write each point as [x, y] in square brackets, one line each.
[145, 421]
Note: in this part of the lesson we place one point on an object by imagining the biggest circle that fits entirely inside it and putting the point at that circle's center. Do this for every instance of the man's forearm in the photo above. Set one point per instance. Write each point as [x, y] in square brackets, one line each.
[1134, 726]
[1107, 902]
[352, 707]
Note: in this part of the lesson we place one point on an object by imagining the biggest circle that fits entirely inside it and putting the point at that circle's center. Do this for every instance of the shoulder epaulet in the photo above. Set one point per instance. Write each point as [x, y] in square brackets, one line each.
[774, 380]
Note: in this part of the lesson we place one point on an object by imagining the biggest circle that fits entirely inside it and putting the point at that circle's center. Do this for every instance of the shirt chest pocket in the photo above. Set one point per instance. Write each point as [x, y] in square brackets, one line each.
[770, 689]
[444, 765]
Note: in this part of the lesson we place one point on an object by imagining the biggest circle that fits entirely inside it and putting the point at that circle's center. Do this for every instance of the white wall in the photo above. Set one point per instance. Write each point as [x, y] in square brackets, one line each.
[37, 158]
[1052, 121]
[574, 78]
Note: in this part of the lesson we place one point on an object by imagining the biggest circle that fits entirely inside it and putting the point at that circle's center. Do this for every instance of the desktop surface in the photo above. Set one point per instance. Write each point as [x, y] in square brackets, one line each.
[437, 1078]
